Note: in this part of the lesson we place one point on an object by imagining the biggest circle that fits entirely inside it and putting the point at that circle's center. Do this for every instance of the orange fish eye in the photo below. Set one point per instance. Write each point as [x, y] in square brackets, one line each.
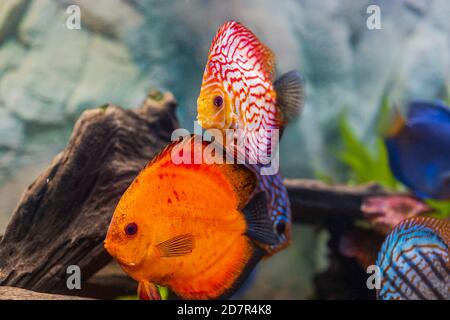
[131, 229]
[218, 101]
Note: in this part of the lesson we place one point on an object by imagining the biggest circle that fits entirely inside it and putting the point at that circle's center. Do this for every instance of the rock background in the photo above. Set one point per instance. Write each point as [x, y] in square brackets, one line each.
[50, 74]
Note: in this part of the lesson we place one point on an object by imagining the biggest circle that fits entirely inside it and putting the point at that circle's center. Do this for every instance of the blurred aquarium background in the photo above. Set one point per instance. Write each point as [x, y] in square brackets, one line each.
[50, 74]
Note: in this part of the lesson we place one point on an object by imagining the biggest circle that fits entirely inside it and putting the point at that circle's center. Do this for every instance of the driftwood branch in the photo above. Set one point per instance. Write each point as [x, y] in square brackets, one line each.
[62, 218]
[13, 293]
[316, 202]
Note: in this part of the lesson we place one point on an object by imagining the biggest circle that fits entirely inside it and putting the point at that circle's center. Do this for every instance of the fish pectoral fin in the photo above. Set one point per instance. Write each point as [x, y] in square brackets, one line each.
[290, 89]
[148, 291]
[259, 226]
[177, 246]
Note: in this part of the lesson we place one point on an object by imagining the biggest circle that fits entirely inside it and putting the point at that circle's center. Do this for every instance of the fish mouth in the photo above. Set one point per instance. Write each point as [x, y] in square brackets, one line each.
[127, 264]
[206, 123]
[115, 255]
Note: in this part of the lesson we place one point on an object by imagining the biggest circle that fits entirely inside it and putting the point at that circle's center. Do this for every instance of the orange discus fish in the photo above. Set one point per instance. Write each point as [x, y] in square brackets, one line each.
[198, 229]
[238, 92]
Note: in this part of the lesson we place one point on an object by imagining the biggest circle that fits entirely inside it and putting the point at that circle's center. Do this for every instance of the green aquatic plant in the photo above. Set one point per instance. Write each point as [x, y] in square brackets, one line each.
[130, 297]
[447, 95]
[163, 292]
[441, 208]
[366, 164]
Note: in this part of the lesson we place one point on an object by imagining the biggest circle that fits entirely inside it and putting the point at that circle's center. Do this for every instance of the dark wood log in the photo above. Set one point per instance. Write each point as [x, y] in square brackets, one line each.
[14, 293]
[110, 282]
[315, 202]
[62, 218]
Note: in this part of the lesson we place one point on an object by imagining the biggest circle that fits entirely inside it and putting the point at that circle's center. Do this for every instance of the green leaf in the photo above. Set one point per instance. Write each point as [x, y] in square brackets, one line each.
[163, 292]
[355, 155]
[441, 208]
[382, 172]
[129, 297]
[447, 96]
[384, 117]
[367, 165]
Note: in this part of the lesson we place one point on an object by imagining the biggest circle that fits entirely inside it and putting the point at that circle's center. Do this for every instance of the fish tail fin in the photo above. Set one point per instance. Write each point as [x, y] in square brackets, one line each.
[290, 89]
[259, 226]
[148, 291]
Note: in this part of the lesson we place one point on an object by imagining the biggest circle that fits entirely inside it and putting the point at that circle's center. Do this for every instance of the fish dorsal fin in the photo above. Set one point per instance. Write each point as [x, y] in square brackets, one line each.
[165, 151]
[434, 110]
[251, 46]
[290, 89]
[267, 59]
[242, 178]
[441, 226]
[179, 245]
[259, 226]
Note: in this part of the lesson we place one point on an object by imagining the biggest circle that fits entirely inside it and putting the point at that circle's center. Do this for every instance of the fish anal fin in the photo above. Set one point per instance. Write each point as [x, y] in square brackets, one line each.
[257, 255]
[179, 245]
[290, 89]
[259, 226]
[232, 266]
[148, 291]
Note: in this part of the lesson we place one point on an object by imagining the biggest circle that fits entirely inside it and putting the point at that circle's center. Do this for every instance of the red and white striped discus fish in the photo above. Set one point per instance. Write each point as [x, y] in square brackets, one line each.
[238, 92]
[414, 261]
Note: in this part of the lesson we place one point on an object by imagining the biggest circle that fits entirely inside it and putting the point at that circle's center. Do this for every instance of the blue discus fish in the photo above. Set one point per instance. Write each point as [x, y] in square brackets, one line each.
[419, 149]
[414, 261]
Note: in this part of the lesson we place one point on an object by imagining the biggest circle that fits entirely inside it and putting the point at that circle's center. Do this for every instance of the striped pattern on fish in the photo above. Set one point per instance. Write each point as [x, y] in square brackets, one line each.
[235, 58]
[240, 74]
[279, 209]
[414, 261]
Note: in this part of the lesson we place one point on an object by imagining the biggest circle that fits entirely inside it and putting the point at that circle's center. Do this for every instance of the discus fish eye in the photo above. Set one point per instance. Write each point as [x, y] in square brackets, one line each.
[281, 228]
[131, 229]
[218, 101]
